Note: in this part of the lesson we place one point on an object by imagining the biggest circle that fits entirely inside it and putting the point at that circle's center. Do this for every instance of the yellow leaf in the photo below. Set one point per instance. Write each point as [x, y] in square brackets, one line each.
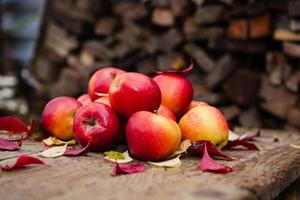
[296, 146]
[117, 157]
[53, 141]
[232, 136]
[54, 151]
[183, 147]
[172, 163]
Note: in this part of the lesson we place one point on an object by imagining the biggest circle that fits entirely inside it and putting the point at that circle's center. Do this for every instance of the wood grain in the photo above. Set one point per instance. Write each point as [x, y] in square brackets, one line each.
[256, 175]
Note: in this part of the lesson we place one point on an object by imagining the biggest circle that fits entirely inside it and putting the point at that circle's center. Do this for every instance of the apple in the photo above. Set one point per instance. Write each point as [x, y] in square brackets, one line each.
[166, 112]
[101, 80]
[84, 99]
[204, 122]
[104, 100]
[57, 117]
[152, 137]
[194, 104]
[176, 91]
[132, 92]
[97, 123]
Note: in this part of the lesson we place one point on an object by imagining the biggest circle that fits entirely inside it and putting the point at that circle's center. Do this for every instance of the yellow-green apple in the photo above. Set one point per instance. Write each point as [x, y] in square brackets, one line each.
[176, 91]
[132, 92]
[104, 100]
[101, 80]
[152, 137]
[57, 117]
[166, 112]
[84, 99]
[204, 122]
[98, 124]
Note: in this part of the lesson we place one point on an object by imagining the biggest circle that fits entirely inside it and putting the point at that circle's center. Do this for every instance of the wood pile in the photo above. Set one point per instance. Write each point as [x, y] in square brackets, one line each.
[247, 53]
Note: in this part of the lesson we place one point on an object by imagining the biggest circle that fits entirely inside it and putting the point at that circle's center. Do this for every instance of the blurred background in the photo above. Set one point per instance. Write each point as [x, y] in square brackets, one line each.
[246, 52]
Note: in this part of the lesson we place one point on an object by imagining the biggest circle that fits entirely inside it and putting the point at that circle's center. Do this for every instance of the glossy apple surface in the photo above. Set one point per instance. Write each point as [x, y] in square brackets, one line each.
[57, 117]
[166, 112]
[101, 80]
[97, 123]
[132, 92]
[152, 137]
[205, 123]
[176, 91]
[84, 99]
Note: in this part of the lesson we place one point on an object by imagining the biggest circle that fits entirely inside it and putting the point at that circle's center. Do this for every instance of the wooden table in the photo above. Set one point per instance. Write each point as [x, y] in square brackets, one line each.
[256, 175]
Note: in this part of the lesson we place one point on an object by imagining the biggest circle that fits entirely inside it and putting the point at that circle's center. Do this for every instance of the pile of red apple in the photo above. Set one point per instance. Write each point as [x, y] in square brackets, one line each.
[153, 115]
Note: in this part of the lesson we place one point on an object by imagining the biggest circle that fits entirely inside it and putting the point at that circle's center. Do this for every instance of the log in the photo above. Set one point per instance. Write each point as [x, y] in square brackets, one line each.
[163, 17]
[210, 14]
[260, 26]
[286, 35]
[106, 26]
[291, 49]
[130, 10]
[238, 29]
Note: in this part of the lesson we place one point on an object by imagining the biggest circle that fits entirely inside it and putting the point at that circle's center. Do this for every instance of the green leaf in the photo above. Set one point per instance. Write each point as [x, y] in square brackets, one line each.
[117, 157]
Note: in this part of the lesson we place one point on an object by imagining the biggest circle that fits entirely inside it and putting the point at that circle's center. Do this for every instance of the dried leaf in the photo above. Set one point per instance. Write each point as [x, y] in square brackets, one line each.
[183, 147]
[182, 72]
[9, 145]
[244, 143]
[13, 125]
[54, 152]
[22, 161]
[232, 136]
[198, 148]
[296, 146]
[172, 163]
[77, 152]
[250, 135]
[128, 169]
[53, 141]
[117, 157]
[209, 165]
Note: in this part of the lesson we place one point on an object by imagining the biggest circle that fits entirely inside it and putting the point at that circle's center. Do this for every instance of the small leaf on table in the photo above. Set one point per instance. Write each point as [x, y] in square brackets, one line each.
[22, 161]
[172, 163]
[209, 165]
[77, 152]
[9, 145]
[15, 125]
[53, 141]
[117, 157]
[128, 169]
[54, 152]
[296, 146]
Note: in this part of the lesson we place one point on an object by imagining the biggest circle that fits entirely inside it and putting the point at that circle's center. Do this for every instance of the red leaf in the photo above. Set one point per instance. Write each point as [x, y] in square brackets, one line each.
[209, 165]
[13, 125]
[22, 161]
[244, 143]
[9, 145]
[77, 152]
[198, 148]
[182, 72]
[128, 168]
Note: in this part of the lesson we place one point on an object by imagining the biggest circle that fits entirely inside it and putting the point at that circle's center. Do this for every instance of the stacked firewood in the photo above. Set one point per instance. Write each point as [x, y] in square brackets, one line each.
[246, 53]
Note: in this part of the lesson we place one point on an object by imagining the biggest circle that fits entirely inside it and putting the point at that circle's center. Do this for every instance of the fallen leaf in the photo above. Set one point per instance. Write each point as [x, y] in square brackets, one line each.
[172, 163]
[198, 148]
[183, 147]
[244, 143]
[54, 152]
[296, 146]
[209, 165]
[117, 157]
[250, 135]
[128, 169]
[22, 161]
[13, 125]
[232, 135]
[9, 145]
[77, 152]
[53, 141]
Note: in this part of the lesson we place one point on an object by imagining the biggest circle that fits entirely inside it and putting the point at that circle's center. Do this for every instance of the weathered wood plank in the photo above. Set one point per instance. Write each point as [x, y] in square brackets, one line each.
[256, 175]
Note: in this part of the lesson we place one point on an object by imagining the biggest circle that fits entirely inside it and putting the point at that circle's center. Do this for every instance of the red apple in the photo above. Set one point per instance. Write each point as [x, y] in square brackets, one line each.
[84, 99]
[176, 91]
[194, 104]
[97, 123]
[152, 137]
[101, 80]
[132, 92]
[57, 117]
[166, 112]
